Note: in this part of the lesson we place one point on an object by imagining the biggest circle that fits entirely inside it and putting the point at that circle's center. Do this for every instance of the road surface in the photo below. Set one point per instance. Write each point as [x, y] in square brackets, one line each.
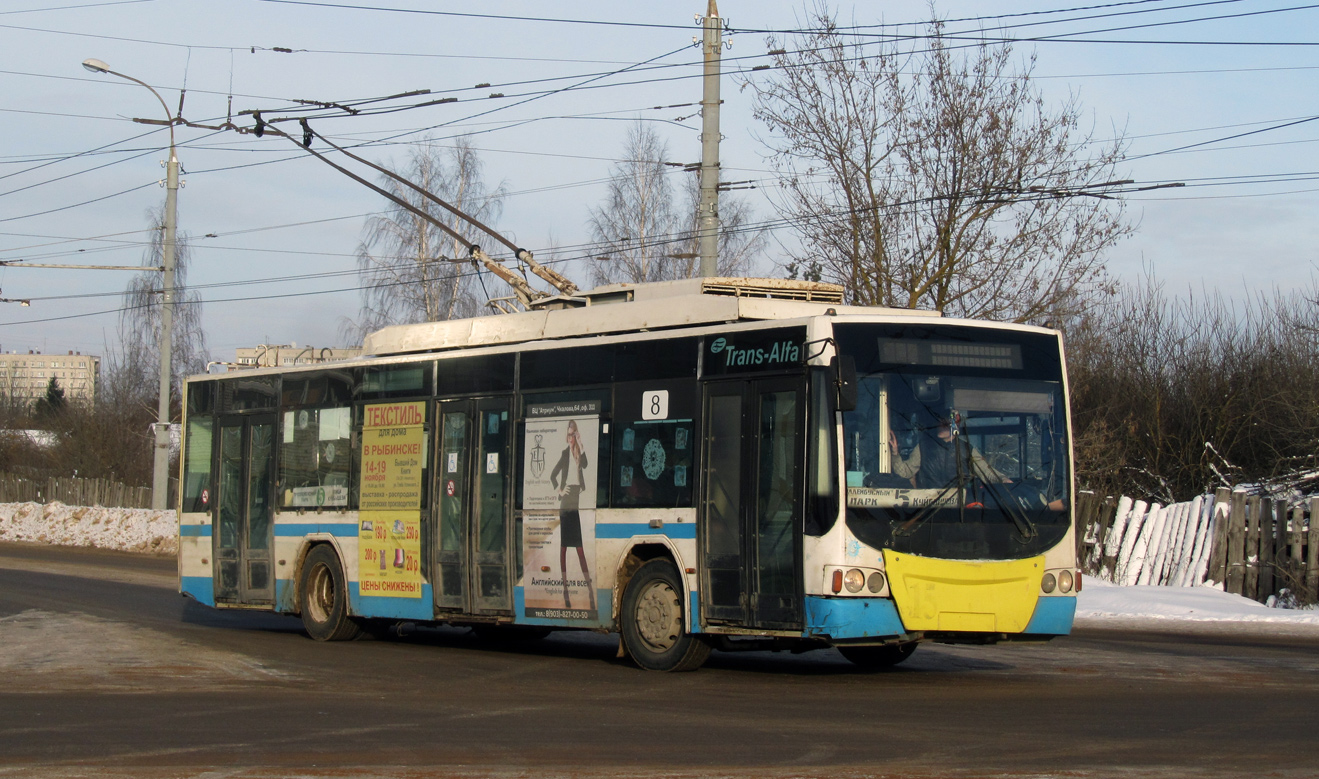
[106, 671]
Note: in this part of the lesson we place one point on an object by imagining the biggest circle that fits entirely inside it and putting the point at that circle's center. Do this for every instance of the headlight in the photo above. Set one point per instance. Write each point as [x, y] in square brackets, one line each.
[1049, 583]
[854, 580]
[1065, 581]
[876, 582]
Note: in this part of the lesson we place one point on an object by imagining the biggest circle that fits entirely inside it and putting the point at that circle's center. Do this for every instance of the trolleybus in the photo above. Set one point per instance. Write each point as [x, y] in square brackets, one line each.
[702, 464]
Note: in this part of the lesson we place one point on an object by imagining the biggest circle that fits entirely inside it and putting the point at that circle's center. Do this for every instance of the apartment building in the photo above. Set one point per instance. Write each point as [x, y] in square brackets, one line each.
[25, 376]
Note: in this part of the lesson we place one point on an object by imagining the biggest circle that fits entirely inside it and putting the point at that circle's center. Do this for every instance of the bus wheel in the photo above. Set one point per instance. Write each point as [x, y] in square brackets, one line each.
[324, 597]
[874, 657]
[653, 629]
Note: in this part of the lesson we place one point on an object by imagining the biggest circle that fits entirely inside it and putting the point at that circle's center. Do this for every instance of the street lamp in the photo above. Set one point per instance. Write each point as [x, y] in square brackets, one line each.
[160, 470]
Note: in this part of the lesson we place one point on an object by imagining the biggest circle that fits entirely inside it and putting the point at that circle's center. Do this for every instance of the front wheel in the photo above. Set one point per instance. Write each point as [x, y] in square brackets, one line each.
[324, 597]
[654, 633]
[876, 657]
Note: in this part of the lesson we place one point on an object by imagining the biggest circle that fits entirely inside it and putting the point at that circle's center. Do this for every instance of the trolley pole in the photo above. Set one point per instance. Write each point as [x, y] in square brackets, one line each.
[709, 208]
[160, 469]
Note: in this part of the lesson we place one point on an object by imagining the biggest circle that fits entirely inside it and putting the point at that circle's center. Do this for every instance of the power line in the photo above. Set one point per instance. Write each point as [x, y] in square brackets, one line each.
[77, 205]
[74, 7]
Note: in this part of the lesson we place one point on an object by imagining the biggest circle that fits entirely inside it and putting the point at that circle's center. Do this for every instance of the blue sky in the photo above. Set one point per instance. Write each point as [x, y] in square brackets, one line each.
[279, 268]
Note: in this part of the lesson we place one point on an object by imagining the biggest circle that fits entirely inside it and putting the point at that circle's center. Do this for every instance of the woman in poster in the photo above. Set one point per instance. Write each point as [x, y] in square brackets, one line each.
[569, 478]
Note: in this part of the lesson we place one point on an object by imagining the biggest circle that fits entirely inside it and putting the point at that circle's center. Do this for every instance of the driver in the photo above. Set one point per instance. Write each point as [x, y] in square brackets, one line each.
[933, 463]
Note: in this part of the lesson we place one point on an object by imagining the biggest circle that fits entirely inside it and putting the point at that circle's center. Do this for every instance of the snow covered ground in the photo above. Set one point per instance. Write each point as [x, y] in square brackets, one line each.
[127, 530]
[1100, 603]
[1103, 603]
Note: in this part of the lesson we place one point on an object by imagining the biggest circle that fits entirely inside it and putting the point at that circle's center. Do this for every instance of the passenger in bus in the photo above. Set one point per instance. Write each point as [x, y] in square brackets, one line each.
[932, 463]
[569, 478]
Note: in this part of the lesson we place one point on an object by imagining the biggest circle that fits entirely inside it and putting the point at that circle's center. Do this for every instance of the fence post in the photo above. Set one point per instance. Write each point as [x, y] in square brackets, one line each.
[1295, 570]
[1236, 545]
[1113, 544]
[1185, 560]
[1218, 553]
[1104, 525]
[1267, 534]
[1312, 554]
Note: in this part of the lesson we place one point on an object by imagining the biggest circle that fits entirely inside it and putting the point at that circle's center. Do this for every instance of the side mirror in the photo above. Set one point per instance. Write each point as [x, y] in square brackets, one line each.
[843, 372]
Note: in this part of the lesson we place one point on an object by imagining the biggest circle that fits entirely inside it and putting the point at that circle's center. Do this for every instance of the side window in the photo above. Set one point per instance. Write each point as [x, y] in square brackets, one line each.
[653, 444]
[197, 465]
[315, 457]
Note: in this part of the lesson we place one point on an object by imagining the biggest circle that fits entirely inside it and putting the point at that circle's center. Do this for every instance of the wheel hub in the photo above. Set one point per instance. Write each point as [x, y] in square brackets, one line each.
[659, 617]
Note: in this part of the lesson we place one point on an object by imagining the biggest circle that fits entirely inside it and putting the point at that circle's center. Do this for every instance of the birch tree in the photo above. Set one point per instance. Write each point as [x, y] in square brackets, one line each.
[410, 269]
[644, 231]
[132, 372]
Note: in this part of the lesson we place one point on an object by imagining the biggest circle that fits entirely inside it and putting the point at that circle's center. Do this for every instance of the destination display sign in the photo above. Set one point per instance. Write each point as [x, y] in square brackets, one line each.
[889, 497]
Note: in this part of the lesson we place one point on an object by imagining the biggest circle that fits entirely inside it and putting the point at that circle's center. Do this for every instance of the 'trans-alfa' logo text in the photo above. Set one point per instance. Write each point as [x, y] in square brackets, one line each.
[780, 352]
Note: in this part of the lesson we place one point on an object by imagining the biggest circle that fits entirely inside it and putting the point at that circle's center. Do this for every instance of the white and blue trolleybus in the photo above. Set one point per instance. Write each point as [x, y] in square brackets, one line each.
[703, 464]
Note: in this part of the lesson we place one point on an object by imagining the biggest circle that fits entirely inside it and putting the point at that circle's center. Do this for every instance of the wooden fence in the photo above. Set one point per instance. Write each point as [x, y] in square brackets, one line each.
[73, 491]
[1248, 544]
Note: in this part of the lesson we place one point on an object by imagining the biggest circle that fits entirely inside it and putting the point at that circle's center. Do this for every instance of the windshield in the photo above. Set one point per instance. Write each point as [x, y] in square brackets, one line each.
[946, 463]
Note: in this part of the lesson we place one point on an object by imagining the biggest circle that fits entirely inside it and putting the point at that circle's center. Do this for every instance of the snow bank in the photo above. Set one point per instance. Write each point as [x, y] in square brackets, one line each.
[1101, 601]
[126, 530]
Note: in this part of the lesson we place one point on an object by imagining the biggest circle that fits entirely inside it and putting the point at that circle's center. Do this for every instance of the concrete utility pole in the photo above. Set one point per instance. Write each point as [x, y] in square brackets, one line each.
[709, 213]
[160, 470]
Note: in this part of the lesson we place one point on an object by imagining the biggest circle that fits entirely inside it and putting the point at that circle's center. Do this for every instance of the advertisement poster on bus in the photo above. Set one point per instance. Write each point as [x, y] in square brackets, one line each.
[558, 509]
[389, 528]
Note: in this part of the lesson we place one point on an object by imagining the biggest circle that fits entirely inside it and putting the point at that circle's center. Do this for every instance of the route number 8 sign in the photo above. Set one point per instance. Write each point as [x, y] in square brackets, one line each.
[655, 404]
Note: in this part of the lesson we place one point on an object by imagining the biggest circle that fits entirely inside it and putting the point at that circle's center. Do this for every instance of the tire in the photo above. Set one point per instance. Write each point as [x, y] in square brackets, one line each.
[877, 657]
[653, 630]
[323, 596]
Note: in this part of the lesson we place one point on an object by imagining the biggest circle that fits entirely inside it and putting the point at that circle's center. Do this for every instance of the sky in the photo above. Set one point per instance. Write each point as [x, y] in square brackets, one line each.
[1219, 95]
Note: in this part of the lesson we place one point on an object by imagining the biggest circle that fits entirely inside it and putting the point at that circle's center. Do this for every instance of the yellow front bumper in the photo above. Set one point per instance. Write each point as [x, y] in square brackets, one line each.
[991, 596]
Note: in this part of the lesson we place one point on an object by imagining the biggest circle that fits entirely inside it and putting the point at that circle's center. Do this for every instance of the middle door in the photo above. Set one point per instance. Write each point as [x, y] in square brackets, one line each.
[472, 561]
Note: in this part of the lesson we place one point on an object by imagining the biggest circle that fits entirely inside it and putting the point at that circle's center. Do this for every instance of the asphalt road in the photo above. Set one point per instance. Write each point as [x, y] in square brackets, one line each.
[106, 671]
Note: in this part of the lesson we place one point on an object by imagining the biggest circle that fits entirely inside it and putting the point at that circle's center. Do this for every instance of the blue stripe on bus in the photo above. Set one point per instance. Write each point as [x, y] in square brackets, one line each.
[630, 529]
[304, 528]
[202, 588]
[199, 531]
[1053, 616]
[852, 617]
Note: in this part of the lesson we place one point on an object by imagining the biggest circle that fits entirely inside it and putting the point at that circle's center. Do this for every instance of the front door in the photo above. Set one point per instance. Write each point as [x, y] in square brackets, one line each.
[475, 476]
[244, 510]
[754, 446]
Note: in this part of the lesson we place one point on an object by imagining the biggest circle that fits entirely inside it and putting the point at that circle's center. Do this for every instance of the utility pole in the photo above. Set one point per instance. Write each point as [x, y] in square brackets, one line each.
[160, 469]
[709, 213]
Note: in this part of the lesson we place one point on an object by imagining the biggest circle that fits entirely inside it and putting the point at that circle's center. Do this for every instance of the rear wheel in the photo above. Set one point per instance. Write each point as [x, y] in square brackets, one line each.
[324, 597]
[875, 657]
[654, 632]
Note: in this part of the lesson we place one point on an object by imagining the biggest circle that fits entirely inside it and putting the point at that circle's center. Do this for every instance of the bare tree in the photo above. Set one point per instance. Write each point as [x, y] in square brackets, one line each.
[641, 234]
[741, 240]
[635, 230]
[411, 270]
[936, 178]
[131, 372]
[1172, 396]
